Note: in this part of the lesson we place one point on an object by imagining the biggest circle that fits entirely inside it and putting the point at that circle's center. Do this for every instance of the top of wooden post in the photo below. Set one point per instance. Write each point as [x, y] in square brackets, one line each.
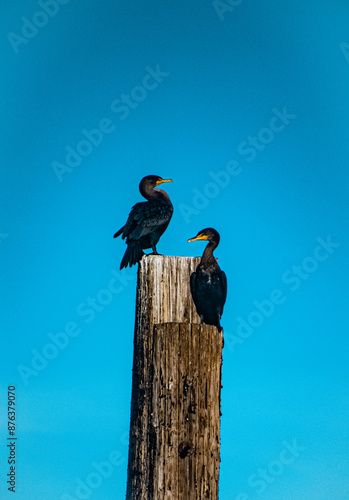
[163, 291]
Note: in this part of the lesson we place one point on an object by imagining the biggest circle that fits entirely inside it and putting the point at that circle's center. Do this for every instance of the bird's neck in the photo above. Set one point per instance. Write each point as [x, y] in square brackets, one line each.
[151, 194]
[208, 257]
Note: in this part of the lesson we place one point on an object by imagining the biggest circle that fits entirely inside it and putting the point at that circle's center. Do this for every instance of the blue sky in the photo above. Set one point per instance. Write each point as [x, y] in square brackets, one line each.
[246, 108]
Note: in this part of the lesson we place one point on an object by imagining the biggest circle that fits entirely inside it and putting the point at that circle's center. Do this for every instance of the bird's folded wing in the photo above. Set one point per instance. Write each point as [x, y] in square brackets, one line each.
[224, 285]
[145, 217]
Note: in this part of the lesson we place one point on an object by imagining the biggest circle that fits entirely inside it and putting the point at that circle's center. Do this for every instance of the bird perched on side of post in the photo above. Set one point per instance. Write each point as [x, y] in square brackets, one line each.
[147, 220]
[208, 284]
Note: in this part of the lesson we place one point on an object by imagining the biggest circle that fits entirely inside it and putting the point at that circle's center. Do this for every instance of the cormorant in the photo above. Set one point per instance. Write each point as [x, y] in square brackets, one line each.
[208, 284]
[146, 221]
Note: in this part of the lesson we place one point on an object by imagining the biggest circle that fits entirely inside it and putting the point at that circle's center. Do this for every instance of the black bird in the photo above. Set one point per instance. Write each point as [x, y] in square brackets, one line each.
[147, 220]
[208, 284]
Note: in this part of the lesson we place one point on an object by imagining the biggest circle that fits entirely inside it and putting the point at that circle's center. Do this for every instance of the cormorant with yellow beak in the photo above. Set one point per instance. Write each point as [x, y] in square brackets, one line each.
[208, 284]
[147, 220]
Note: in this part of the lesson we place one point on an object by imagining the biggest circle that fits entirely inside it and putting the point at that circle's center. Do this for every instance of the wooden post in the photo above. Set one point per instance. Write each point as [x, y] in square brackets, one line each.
[175, 409]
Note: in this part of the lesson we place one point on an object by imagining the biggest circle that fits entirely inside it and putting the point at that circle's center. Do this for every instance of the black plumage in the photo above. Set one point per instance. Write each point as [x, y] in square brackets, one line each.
[147, 220]
[208, 284]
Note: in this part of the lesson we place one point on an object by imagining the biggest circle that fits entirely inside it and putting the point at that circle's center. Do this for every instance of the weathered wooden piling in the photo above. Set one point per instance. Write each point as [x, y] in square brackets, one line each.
[174, 448]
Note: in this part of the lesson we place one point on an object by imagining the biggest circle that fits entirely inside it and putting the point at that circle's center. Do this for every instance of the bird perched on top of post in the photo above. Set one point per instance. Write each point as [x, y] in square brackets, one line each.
[147, 220]
[208, 285]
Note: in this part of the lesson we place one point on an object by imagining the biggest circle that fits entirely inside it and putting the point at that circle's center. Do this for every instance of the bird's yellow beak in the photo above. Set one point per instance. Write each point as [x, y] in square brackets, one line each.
[198, 237]
[161, 181]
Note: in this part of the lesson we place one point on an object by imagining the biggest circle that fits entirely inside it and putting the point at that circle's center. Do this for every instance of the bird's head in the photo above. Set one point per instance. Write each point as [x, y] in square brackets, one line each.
[208, 234]
[147, 185]
[151, 181]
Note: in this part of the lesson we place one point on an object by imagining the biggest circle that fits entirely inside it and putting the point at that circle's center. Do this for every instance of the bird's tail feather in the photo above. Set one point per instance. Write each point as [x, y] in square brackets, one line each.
[133, 254]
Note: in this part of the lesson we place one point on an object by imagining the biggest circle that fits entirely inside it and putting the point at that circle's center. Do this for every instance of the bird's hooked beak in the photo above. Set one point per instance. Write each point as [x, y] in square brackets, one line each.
[200, 236]
[161, 181]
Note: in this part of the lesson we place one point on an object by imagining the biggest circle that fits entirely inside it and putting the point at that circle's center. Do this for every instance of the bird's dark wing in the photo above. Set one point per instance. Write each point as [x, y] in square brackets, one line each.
[224, 282]
[130, 223]
[147, 217]
[121, 230]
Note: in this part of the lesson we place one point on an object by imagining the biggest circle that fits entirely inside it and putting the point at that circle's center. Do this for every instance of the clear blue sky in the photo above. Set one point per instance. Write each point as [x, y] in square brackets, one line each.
[245, 105]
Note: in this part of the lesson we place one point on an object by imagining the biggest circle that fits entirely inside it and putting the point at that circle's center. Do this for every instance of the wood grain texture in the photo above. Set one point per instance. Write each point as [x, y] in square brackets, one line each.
[175, 389]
